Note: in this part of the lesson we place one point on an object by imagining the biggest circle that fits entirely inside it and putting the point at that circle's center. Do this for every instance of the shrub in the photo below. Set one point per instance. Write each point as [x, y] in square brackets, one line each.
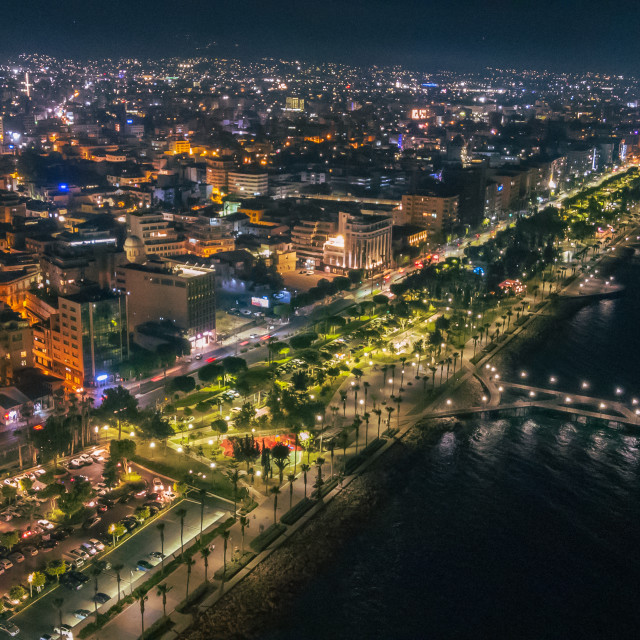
[267, 537]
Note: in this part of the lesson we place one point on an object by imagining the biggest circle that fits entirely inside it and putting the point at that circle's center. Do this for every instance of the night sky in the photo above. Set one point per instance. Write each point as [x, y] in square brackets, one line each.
[574, 35]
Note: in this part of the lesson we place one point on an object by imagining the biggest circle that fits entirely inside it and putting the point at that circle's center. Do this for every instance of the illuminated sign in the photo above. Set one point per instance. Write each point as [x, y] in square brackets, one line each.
[102, 377]
[260, 302]
[419, 114]
[500, 187]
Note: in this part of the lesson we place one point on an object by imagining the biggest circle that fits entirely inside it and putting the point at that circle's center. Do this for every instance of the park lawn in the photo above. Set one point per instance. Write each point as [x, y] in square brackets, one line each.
[184, 468]
[192, 399]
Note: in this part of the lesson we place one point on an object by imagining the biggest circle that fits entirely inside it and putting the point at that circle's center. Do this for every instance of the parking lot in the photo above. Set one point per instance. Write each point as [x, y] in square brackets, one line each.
[41, 616]
[39, 543]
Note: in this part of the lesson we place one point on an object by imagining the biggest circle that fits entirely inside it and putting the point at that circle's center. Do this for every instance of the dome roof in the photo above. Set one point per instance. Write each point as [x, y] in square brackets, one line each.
[133, 242]
[134, 249]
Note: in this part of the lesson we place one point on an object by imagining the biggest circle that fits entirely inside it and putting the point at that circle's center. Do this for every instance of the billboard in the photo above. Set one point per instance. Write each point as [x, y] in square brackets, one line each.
[260, 302]
[419, 114]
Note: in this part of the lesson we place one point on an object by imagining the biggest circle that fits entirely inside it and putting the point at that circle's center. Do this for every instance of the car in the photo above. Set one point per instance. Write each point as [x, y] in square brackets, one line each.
[5, 563]
[153, 504]
[16, 557]
[101, 598]
[81, 614]
[49, 545]
[46, 636]
[30, 550]
[143, 565]
[157, 555]
[79, 553]
[71, 583]
[8, 627]
[253, 336]
[130, 525]
[78, 575]
[152, 510]
[158, 485]
[63, 630]
[62, 533]
[11, 482]
[74, 464]
[96, 544]
[169, 495]
[45, 524]
[39, 472]
[89, 548]
[101, 508]
[153, 496]
[89, 523]
[198, 356]
[127, 497]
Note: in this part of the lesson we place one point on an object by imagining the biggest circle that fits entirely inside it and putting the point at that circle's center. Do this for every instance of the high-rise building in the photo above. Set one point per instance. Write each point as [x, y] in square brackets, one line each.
[363, 242]
[158, 236]
[16, 344]
[84, 338]
[294, 104]
[171, 290]
[438, 213]
[248, 183]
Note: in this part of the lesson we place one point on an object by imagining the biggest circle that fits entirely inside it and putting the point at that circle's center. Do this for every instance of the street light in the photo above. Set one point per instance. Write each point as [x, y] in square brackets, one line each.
[30, 581]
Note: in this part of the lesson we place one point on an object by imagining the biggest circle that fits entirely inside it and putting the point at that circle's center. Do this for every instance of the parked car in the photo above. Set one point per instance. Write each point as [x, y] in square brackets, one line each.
[30, 550]
[101, 598]
[158, 485]
[143, 565]
[96, 544]
[89, 548]
[5, 563]
[89, 523]
[49, 545]
[8, 627]
[64, 631]
[16, 557]
[81, 614]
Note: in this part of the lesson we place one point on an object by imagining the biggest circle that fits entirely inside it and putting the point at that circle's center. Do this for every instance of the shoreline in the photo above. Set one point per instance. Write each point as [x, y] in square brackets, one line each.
[267, 593]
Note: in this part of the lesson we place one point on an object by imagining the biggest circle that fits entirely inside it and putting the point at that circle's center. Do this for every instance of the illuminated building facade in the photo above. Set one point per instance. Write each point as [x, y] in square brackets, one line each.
[362, 242]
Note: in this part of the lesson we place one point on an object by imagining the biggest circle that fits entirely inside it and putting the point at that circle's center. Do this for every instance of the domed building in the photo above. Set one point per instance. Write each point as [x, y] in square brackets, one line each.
[134, 250]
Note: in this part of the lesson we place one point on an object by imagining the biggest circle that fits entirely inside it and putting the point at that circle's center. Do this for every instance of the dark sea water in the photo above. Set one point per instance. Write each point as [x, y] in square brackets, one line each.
[509, 528]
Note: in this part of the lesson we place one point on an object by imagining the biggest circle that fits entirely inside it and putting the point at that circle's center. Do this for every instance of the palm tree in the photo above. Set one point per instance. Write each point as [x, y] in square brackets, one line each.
[366, 386]
[319, 481]
[95, 572]
[205, 553]
[378, 412]
[160, 528]
[366, 417]
[390, 410]
[356, 425]
[343, 398]
[234, 476]
[398, 400]
[202, 494]
[244, 523]
[343, 443]
[275, 491]
[141, 597]
[475, 343]
[118, 568]
[181, 513]
[58, 603]
[163, 589]
[305, 468]
[331, 449]
[225, 541]
[356, 388]
[456, 355]
[291, 477]
[189, 562]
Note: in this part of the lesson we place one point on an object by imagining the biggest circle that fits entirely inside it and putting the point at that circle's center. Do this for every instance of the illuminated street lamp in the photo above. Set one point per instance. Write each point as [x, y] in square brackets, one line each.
[30, 581]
